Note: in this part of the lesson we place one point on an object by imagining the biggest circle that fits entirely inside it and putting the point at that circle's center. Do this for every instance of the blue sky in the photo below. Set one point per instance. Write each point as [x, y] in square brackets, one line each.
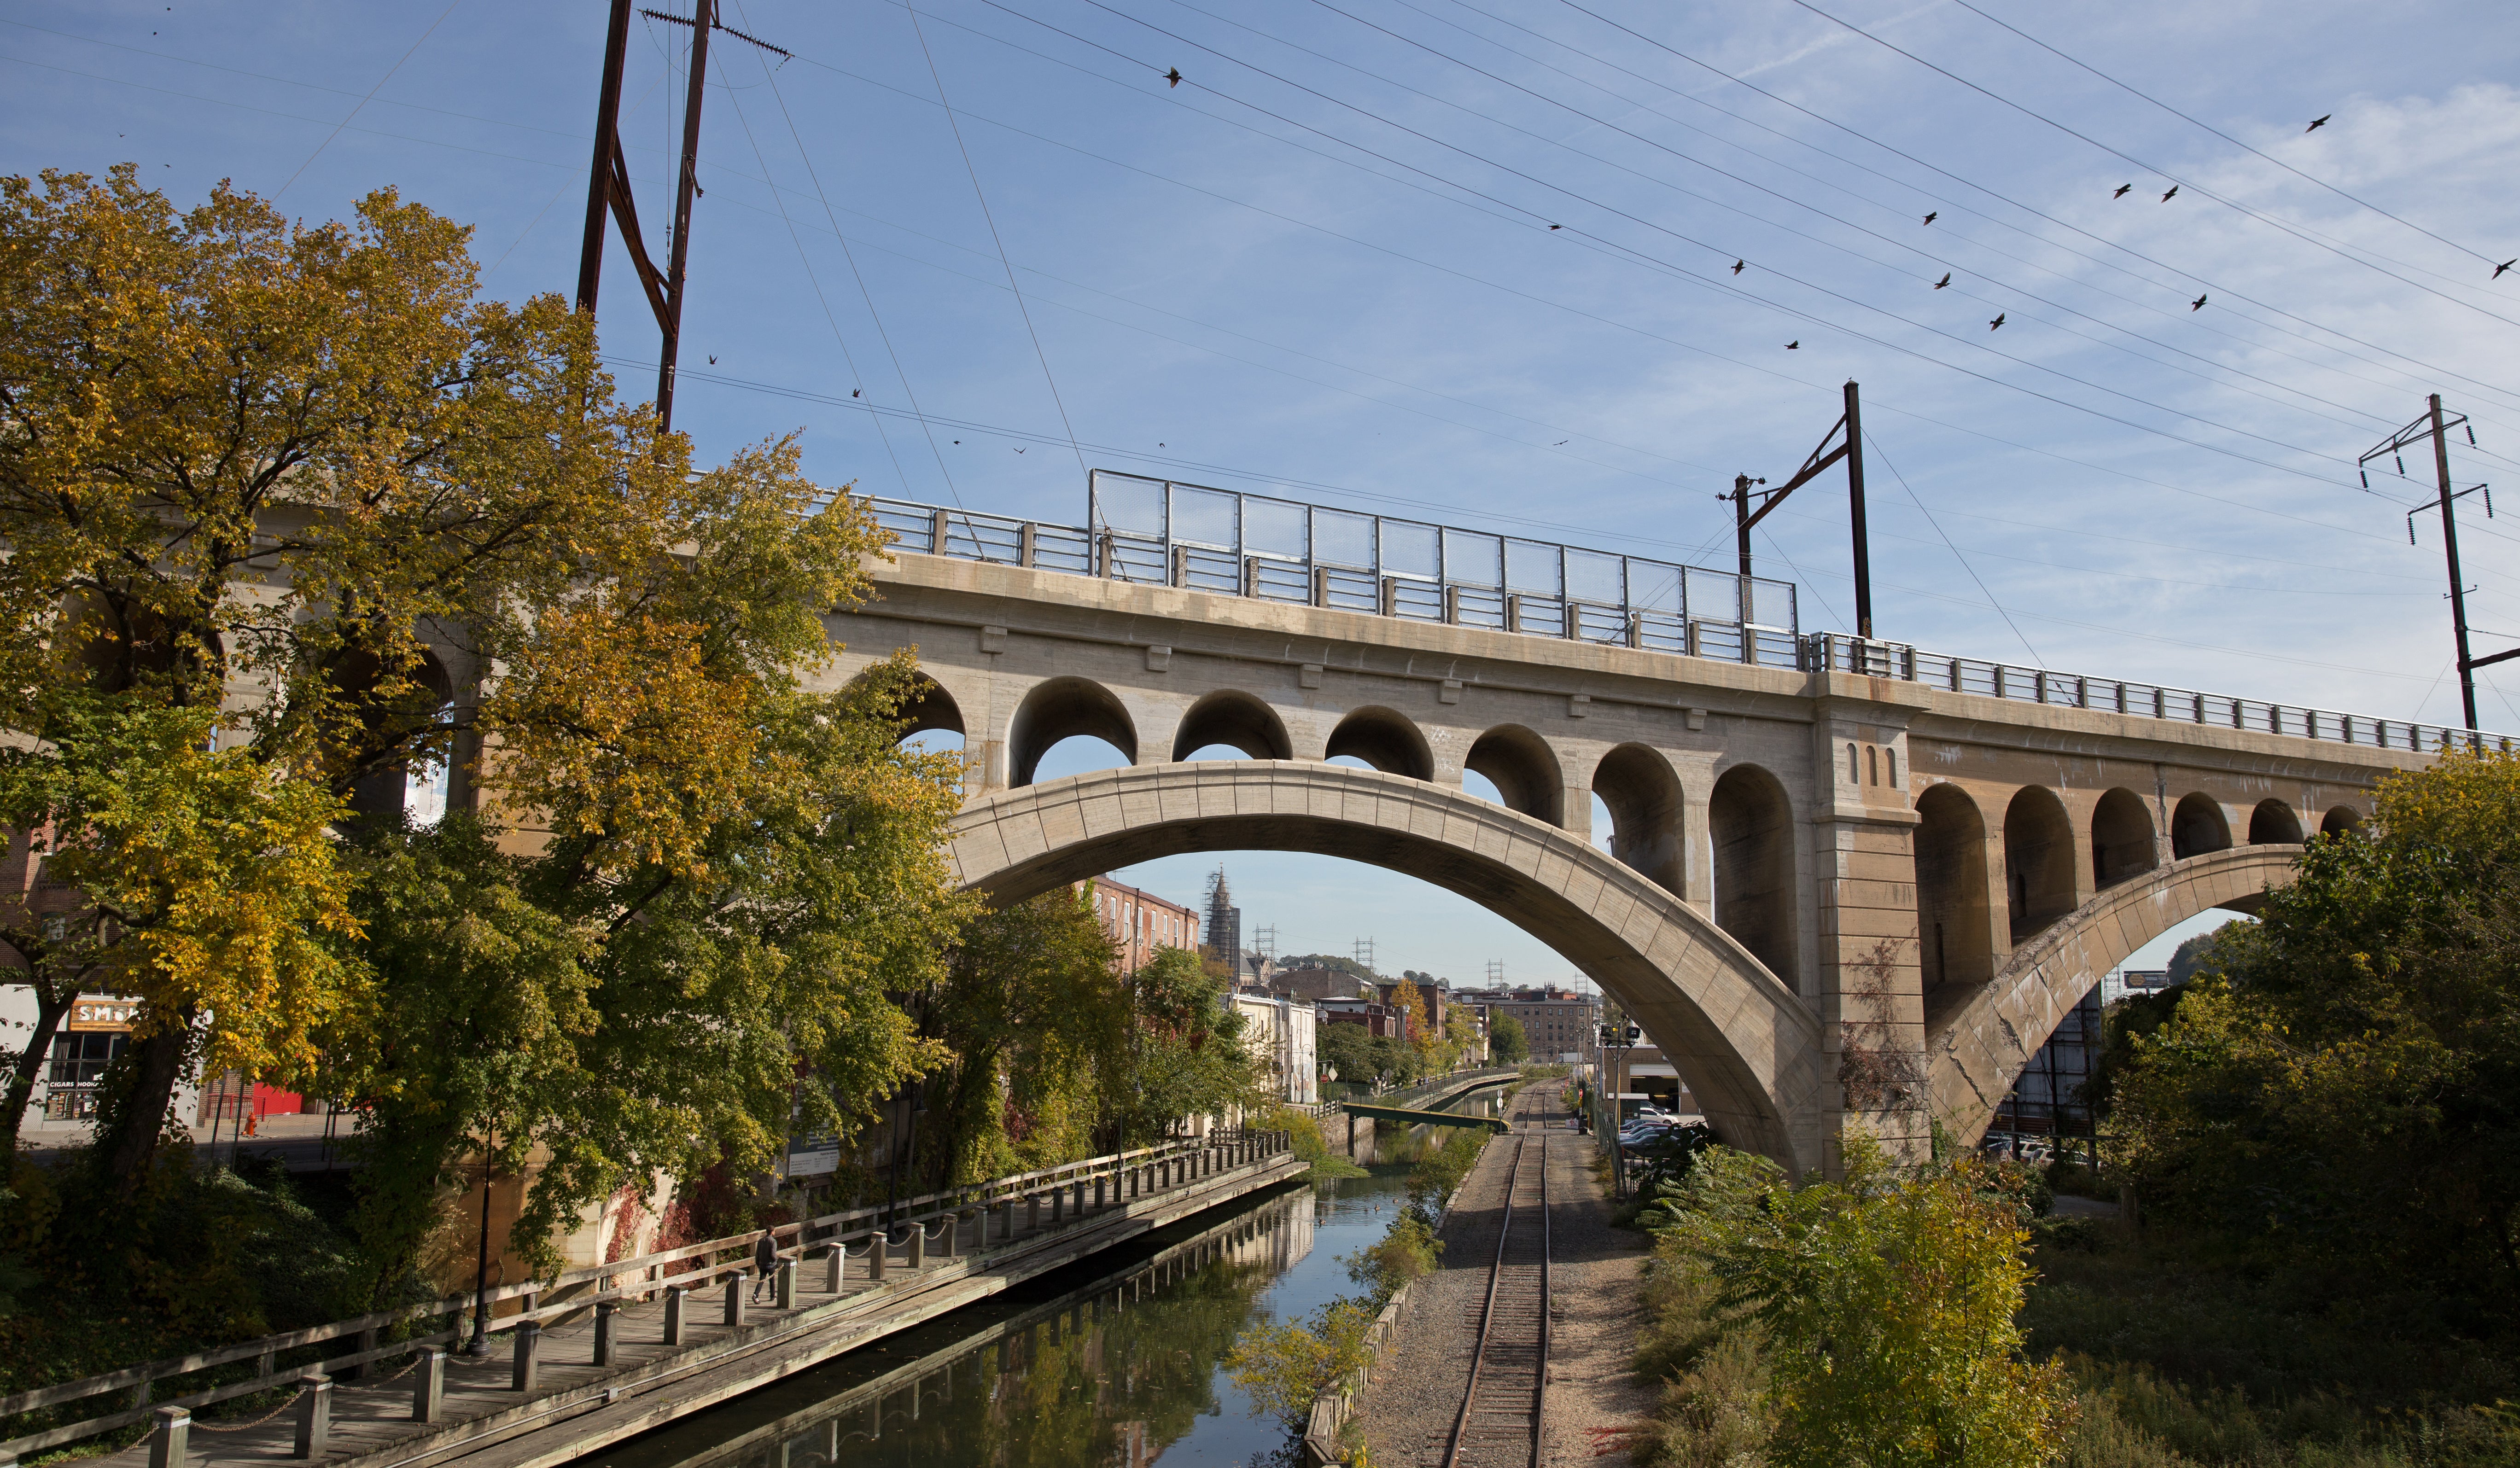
[1322, 262]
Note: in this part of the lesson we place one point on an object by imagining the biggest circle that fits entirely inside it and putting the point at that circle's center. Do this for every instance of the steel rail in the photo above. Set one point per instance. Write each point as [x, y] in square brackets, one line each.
[1489, 1321]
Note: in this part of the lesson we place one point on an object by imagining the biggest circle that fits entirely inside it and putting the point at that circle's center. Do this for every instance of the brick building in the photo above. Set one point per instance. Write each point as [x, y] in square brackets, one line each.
[1140, 922]
[1557, 1022]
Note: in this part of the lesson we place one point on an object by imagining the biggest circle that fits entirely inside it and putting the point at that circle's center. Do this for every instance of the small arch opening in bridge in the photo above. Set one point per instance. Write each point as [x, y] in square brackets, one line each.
[2038, 860]
[1063, 709]
[1522, 769]
[1751, 825]
[2197, 827]
[421, 693]
[1381, 740]
[1635, 788]
[2122, 844]
[2339, 821]
[2273, 822]
[1956, 938]
[1237, 722]
[928, 709]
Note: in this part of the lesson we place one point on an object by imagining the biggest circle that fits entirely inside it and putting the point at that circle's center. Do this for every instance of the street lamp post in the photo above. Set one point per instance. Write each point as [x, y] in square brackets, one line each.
[479, 1345]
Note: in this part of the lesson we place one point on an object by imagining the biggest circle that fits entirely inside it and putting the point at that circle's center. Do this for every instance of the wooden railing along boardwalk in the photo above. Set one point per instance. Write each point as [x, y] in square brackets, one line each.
[400, 1396]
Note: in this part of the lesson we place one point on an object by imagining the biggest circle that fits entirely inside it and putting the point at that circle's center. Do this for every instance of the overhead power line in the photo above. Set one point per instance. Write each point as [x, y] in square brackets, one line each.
[1617, 323]
[2225, 137]
[2304, 235]
[2220, 290]
[1539, 221]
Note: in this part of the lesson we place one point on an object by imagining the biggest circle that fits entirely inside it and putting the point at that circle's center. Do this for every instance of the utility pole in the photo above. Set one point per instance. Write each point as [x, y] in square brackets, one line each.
[1850, 423]
[607, 189]
[2436, 427]
[686, 184]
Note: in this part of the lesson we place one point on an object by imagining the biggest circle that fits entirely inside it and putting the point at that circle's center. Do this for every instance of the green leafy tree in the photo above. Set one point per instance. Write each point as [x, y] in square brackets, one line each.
[1508, 1044]
[1283, 1365]
[296, 492]
[1886, 1304]
[1185, 1057]
[1348, 1049]
[1036, 1018]
[2337, 1086]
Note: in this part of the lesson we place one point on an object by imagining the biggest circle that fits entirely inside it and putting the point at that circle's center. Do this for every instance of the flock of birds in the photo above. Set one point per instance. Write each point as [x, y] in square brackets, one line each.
[2121, 191]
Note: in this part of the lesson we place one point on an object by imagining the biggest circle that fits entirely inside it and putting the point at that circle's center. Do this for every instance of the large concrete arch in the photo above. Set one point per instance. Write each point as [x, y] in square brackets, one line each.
[1976, 1061]
[1751, 1049]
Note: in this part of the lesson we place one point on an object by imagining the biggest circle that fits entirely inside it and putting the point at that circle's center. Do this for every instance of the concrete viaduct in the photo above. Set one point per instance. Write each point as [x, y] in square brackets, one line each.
[1801, 859]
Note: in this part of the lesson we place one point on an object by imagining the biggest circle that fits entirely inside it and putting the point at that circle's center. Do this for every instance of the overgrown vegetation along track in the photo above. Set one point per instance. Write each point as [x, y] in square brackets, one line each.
[1499, 1426]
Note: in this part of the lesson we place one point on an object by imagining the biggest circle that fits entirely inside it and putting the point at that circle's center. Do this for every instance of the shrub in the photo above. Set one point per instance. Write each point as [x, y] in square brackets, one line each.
[1283, 1365]
[1408, 1251]
[1885, 1308]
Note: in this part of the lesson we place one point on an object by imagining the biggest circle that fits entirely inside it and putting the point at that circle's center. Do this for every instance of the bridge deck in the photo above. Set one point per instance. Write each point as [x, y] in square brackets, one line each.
[1422, 1117]
[576, 1407]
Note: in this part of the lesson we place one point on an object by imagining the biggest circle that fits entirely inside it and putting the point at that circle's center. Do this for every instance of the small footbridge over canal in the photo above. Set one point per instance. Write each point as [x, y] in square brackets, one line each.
[598, 1354]
[1420, 1105]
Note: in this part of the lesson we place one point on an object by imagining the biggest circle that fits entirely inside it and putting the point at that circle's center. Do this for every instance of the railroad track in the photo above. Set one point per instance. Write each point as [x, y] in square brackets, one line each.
[1499, 1426]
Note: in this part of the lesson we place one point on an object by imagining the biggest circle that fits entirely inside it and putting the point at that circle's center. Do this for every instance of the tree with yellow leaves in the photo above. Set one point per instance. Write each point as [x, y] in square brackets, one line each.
[290, 513]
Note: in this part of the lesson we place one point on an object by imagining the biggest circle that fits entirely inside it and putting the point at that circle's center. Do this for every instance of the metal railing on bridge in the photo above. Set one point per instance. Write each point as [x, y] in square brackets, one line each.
[1160, 532]
[1835, 653]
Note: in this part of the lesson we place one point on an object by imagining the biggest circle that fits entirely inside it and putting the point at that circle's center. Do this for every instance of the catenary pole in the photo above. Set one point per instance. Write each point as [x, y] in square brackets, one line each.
[703, 18]
[1854, 511]
[2450, 548]
[608, 128]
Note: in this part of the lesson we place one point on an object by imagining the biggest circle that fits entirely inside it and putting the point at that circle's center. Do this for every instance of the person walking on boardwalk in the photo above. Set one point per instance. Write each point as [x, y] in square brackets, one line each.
[765, 1263]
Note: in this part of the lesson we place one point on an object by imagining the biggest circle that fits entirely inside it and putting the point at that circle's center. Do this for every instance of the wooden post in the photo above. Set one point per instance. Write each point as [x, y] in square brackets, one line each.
[170, 1441]
[832, 1264]
[603, 1312]
[734, 1301]
[358, 1370]
[314, 1414]
[918, 1245]
[876, 1243]
[786, 1284]
[674, 1297]
[428, 1393]
[521, 1374]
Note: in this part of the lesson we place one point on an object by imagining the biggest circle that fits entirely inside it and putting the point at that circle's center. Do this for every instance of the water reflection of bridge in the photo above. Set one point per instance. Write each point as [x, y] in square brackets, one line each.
[1112, 1370]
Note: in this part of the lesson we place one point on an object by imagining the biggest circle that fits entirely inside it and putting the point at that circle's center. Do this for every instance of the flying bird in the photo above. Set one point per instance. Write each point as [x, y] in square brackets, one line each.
[1557, 226]
[1738, 266]
[1019, 451]
[1561, 443]
[1930, 218]
[1945, 280]
[712, 362]
[1794, 345]
[2319, 123]
[2172, 193]
[2198, 305]
[1172, 78]
[1997, 322]
[2122, 191]
[856, 392]
[2505, 265]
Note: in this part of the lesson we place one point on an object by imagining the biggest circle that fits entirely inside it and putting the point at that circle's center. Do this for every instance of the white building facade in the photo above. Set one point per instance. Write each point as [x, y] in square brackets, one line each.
[1282, 1033]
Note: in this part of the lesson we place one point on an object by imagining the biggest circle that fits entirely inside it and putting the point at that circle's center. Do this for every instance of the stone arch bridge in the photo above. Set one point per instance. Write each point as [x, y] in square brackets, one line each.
[1850, 849]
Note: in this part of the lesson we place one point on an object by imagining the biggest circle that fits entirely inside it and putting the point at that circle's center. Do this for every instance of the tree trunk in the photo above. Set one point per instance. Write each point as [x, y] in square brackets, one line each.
[131, 1123]
[50, 1007]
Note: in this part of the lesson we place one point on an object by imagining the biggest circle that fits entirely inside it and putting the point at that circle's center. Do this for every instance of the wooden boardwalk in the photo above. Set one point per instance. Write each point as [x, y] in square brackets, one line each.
[567, 1405]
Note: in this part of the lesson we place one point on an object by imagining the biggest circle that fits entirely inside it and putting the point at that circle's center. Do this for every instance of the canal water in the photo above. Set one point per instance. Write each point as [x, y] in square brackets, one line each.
[1110, 1363]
